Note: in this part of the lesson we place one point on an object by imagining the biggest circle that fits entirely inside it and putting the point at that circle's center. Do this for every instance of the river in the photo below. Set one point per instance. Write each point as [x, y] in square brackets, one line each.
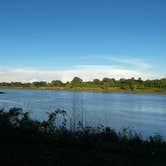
[143, 113]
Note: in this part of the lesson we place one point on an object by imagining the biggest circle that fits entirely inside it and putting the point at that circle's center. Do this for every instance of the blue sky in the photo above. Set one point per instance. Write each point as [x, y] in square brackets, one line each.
[50, 39]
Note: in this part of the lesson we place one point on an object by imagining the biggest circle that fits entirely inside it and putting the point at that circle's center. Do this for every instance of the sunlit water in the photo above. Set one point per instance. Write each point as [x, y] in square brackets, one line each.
[145, 113]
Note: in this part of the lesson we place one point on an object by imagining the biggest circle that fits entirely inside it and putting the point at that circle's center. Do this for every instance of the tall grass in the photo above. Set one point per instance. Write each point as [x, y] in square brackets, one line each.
[17, 119]
[25, 141]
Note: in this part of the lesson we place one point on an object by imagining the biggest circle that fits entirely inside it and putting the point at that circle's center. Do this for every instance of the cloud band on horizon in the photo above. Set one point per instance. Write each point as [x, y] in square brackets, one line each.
[86, 72]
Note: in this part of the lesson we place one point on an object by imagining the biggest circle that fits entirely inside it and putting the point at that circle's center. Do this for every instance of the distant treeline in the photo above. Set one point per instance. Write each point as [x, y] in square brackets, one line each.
[105, 83]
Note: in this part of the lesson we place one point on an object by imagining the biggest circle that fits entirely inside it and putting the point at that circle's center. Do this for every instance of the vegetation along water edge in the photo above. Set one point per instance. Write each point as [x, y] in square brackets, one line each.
[25, 141]
[106, 85]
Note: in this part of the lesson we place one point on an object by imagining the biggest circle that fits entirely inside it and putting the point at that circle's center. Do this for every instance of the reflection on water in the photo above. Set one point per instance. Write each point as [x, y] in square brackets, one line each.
[144, 113]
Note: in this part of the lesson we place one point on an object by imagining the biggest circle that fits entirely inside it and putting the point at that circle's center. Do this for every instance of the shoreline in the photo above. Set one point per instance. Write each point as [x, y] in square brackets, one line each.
[117, 90]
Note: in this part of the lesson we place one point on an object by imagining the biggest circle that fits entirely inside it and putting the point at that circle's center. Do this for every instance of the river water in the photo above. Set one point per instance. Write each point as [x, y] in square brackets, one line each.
[144, 113]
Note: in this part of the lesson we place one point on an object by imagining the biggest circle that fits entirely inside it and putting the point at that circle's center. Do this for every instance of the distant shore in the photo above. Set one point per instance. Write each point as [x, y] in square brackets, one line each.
[117, 89]
[131, 85]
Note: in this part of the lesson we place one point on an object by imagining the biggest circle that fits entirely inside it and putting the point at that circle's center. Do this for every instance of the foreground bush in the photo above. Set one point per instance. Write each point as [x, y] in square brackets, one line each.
[19, 131]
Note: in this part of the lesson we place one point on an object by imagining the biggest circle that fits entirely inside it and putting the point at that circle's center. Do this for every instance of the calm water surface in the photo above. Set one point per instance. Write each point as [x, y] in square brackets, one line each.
[145, 113]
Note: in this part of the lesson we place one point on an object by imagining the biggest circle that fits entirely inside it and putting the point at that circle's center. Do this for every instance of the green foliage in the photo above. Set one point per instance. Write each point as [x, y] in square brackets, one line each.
[96, 82]
[57, 83]
[39, 84]
[104, 84]
[76, 82]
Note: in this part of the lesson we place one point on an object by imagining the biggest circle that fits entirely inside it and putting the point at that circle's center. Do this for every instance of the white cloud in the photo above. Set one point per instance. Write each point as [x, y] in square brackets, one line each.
[129, 61]
[86, 72]
[137, 63]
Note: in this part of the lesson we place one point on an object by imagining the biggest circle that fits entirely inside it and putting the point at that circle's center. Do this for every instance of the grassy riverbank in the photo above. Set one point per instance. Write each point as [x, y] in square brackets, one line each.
[96, 89]
[105, 85]
[111, 89]
[24, 141]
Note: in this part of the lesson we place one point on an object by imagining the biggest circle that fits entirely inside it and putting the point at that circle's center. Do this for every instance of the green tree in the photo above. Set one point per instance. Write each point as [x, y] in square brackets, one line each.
[106, 82]
[76, 82]
[39, 84]
[96, 82]
[57, 83]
